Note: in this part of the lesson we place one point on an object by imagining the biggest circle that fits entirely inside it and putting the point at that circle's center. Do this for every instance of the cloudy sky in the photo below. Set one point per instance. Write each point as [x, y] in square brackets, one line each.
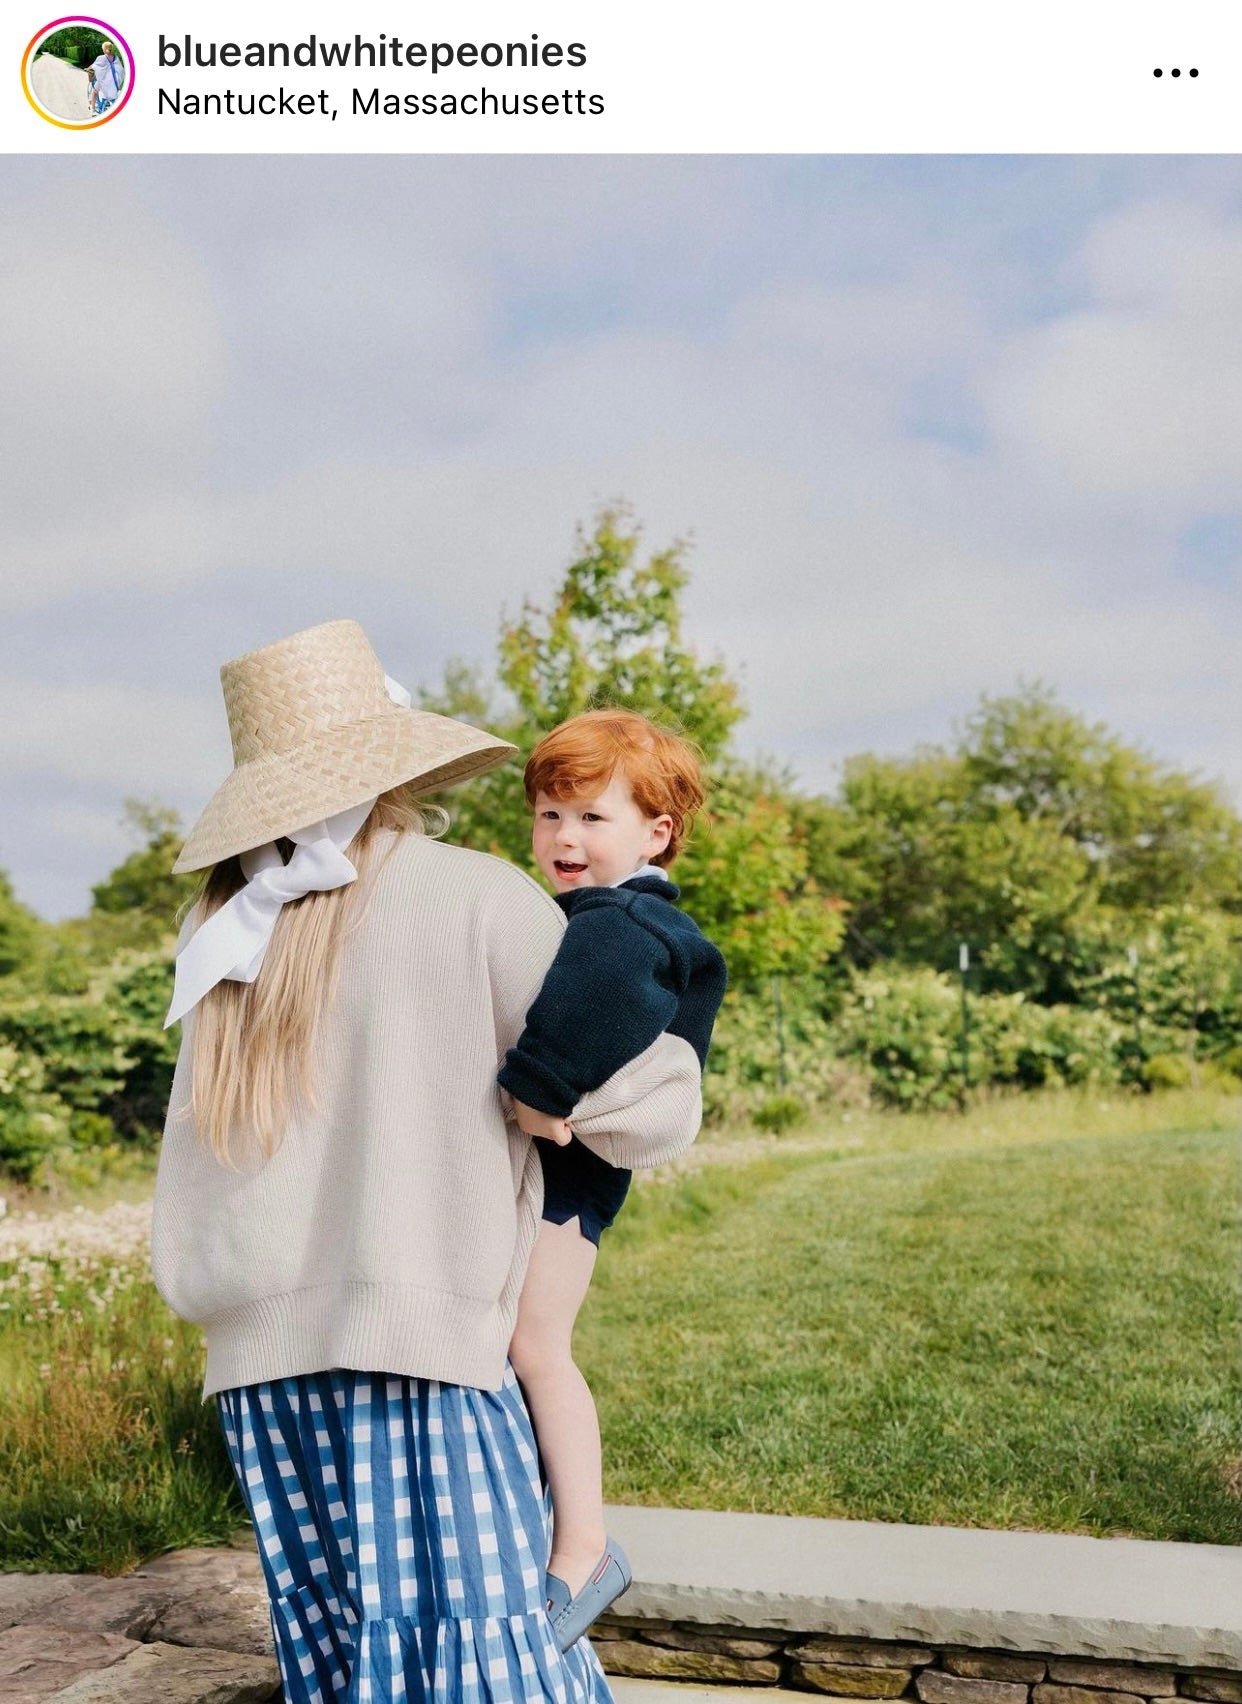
[934, 426]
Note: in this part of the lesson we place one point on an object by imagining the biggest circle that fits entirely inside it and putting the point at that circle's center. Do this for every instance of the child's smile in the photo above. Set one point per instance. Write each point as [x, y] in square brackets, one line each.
[596, 841]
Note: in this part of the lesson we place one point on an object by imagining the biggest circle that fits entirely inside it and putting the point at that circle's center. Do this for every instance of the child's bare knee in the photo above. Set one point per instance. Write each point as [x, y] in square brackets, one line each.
[518, 1346]
[538, 1353]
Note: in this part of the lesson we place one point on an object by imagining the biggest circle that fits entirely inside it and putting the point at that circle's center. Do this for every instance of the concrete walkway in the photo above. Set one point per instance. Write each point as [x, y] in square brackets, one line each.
[1130, 1599]
[60, 87]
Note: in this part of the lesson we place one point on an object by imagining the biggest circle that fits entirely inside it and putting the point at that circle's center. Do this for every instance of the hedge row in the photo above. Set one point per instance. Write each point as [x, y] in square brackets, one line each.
[904, 1038]
[85, 1075]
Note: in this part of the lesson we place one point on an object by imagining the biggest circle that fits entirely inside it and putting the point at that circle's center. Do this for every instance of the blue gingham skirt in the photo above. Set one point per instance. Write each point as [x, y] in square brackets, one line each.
[403, 1529]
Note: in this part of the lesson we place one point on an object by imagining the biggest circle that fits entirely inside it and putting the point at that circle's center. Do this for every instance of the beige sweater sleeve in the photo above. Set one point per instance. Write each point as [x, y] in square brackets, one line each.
[649, 1111]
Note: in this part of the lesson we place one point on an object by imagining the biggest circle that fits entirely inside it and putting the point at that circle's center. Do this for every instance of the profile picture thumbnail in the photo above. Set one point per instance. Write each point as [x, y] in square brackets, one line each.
[78, 73]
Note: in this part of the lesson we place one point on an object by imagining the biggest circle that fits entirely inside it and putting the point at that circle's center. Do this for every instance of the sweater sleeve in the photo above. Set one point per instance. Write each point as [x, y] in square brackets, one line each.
[608, 994]
[649, 1112]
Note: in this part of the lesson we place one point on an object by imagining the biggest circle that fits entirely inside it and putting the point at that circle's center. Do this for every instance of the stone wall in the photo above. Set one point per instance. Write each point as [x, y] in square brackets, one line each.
[193, 1627]
[858, 1669]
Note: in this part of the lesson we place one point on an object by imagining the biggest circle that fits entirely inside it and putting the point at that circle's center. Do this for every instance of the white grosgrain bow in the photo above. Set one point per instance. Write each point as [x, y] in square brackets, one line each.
[232, 944]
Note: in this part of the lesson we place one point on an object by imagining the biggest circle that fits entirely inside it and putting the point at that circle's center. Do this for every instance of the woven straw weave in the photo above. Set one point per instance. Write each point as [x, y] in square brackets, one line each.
[314, 732]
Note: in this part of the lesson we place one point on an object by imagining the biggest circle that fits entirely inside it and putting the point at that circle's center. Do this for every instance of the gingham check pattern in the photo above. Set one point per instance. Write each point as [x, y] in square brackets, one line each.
[403, 1530]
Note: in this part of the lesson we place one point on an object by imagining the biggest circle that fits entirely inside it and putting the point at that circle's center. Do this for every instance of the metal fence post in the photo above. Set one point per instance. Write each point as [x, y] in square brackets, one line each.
[963, 965]
[1133, 955]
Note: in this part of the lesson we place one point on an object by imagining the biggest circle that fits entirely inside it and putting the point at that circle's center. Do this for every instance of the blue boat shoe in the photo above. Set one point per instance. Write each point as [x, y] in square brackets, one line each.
[571, 1616]
[558, 1595]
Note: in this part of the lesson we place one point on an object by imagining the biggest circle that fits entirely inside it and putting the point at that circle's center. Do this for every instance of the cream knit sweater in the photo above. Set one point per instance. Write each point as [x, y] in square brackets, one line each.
[391, 1230]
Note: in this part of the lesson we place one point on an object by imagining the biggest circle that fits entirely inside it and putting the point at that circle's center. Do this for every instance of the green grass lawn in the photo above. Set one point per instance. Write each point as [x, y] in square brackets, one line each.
[107, 1455]
[1026, 1317]
[994, 1321]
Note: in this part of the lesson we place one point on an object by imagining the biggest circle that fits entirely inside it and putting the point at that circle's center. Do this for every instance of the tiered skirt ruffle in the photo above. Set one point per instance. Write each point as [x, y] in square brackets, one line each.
[403, 1529]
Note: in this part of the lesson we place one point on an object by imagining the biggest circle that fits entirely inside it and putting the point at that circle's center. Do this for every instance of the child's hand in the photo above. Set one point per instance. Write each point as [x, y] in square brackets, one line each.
[535, 1123]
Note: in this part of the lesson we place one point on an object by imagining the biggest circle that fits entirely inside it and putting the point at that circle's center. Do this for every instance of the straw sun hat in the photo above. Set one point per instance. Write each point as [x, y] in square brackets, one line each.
[315, 732]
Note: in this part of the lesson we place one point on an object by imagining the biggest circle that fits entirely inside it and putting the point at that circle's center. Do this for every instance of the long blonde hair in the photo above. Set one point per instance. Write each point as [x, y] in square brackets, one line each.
[253, 1041]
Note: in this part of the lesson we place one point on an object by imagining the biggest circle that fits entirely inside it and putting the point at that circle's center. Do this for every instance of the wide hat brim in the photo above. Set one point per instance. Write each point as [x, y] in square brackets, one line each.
[333, 770]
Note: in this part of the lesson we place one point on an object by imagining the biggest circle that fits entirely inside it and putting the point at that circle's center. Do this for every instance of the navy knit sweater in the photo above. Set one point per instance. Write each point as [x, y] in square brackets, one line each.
[630, 966]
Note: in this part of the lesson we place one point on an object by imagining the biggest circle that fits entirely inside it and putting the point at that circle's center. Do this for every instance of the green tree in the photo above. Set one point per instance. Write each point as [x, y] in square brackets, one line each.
[612, 634]
[1173, 977]
[923, 870]
[745, 877]
[1154, 835]
[21, 931]
[76, 43]
[141, 896]
[1029, 839]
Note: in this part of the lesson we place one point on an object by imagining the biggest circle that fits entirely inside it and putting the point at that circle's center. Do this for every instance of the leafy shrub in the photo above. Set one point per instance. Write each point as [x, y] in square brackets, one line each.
[34, 1122]
[1181, 1071]
[1028, 1046]
[1168, 1071]
[81, 1073]
[1182, 991]
[905, 1028]
[755, 1059]
[1230, 1061]
[779, 1112]
[79, 1042]
[896, 1039]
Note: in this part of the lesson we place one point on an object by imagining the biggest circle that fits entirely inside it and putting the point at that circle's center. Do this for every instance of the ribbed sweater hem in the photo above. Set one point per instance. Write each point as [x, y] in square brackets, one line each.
[378, 1328]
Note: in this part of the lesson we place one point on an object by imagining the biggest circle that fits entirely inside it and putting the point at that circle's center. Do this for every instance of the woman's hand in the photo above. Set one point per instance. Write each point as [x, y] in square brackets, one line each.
[532, 1122]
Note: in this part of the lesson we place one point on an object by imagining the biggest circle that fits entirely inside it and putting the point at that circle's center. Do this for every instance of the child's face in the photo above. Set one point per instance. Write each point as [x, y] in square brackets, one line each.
[594, 842]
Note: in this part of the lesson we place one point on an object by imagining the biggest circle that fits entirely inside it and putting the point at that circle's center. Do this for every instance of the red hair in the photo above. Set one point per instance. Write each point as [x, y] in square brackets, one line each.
[582, 756]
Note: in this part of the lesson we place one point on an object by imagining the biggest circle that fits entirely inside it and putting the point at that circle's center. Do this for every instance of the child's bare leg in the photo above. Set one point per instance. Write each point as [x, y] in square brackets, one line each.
[559, 1398]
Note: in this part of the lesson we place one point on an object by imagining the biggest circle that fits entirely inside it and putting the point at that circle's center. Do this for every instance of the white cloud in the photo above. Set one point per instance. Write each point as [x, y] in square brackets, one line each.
[890, 332]
[112, 363]
[1138, 395]
[414, 416]
[103, 831]
[129, 738]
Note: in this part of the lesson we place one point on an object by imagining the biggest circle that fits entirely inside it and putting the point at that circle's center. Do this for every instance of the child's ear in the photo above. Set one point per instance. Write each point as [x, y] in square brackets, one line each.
[662, 833]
